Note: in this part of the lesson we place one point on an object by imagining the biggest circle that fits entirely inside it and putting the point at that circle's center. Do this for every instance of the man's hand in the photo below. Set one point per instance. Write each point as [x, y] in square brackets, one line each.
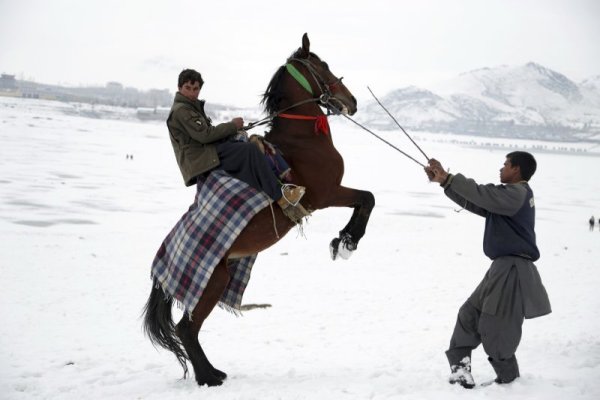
[435, 172]
[238, 122]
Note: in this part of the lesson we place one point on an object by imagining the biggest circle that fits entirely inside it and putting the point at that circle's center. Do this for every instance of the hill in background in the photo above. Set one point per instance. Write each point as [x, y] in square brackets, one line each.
[528, 101]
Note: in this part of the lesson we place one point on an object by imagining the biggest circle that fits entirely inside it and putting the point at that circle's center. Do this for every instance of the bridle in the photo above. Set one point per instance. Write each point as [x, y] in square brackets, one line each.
[325, 99]
[324, 88]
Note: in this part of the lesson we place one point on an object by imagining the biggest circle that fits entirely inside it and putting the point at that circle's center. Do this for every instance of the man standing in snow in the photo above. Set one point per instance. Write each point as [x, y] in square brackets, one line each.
[512, 289]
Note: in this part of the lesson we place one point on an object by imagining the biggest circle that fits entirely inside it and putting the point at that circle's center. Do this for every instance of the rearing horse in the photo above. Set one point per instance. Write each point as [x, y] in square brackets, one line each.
[293, 100]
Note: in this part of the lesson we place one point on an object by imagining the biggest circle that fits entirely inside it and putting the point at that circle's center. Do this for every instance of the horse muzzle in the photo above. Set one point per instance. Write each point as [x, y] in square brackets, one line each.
[342, 106]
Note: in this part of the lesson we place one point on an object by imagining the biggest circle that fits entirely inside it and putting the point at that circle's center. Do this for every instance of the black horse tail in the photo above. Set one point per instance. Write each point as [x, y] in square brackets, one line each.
[159, 326]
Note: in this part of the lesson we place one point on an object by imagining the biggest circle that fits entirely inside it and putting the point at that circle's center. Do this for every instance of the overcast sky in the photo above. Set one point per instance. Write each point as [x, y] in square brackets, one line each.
[238, 45]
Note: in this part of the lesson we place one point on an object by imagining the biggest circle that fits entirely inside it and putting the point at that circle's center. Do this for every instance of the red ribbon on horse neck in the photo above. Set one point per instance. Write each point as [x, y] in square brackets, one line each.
[321, 123]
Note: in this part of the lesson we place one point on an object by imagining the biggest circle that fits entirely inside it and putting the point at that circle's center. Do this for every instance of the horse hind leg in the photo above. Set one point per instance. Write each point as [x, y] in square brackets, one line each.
[204, 372]
[188, 329]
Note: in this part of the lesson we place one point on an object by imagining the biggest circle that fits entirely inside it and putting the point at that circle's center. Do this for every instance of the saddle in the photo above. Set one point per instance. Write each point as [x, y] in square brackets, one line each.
[292, 209]
[275, 158]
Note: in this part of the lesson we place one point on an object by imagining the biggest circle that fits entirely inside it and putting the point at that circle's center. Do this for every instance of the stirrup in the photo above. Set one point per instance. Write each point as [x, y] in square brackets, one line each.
[290, 187]
[296, 213]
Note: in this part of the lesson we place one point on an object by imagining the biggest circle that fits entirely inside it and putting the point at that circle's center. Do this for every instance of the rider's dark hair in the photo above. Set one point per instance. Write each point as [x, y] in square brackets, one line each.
[524, 161]
[189, 75]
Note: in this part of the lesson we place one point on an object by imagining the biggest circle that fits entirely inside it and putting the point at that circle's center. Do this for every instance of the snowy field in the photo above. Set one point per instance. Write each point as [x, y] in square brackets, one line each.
[80, 224]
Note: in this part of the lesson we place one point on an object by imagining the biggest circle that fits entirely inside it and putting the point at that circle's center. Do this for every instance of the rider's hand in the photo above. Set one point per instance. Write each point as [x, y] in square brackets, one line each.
[238, 122]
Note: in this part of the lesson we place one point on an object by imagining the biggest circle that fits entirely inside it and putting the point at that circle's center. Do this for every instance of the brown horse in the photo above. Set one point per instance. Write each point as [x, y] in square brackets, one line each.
[293, 101]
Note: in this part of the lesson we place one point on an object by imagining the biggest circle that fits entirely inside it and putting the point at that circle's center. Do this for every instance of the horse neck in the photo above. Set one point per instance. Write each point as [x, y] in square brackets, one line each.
[298, 140]
[283, 128]
[314, 160]
[290, 134]
[312, 109]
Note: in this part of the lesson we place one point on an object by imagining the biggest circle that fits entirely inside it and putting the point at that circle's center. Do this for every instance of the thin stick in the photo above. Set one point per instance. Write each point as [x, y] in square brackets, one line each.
[383, 140]
[400, 126]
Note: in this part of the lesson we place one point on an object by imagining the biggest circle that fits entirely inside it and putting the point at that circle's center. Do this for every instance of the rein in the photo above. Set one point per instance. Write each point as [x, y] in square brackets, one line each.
[397, 123]
[325, 99]
[270, 118]
[385, 141]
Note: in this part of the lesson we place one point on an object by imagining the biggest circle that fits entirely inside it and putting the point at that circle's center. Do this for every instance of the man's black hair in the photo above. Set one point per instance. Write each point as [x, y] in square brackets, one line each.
[189, 75]
[525, 161]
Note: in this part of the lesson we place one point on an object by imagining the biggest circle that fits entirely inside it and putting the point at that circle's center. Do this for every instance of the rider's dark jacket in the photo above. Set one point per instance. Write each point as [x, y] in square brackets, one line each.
[193, 137]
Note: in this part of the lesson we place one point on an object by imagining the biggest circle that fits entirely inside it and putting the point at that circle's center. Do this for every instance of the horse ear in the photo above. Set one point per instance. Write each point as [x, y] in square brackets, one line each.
[305, 44]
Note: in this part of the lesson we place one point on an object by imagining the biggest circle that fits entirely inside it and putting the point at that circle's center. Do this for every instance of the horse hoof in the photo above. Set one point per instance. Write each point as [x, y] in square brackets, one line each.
[209, 381]
[344, 251]
[342, 246]
[347, 247]
[219, 374]
[334, 248]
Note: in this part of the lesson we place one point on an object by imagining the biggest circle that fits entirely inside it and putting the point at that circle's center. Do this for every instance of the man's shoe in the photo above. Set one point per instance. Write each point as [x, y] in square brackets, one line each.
[461, 374]
[290, 195]
[506, 370]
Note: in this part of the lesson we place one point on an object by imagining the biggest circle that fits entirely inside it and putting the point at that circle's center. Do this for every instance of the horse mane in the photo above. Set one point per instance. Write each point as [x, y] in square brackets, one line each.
[274, 93]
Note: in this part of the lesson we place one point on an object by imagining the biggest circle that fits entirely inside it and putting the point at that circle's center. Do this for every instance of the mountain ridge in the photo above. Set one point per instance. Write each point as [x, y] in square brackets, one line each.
[526, 101]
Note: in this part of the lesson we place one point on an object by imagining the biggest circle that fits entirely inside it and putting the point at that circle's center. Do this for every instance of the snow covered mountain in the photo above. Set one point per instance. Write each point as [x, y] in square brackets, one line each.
[528, 101]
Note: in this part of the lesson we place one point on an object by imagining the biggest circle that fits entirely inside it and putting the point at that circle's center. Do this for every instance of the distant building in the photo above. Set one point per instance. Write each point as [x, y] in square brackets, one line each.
[113, 94]
[8, 82]
[156, 113]
[114, 86]
[29, 90]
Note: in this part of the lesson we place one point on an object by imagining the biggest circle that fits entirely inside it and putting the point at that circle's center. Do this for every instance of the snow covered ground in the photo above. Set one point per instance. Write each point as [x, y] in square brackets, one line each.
[80, 224]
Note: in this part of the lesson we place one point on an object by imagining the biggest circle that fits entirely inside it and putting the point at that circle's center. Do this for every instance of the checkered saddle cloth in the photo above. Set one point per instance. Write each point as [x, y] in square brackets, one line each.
[187, 257]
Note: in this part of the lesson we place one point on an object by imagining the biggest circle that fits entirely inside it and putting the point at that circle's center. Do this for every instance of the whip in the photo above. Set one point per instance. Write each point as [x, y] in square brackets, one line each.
[400, 126]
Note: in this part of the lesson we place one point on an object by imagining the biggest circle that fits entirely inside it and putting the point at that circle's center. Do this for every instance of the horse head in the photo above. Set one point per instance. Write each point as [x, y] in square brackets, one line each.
[311, 76]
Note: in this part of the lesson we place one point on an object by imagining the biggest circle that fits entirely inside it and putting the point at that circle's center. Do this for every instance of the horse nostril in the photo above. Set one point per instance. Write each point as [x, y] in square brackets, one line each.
[354, 100]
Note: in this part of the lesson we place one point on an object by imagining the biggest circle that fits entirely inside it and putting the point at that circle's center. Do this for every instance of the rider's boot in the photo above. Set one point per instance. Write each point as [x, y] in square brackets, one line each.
[290, 202]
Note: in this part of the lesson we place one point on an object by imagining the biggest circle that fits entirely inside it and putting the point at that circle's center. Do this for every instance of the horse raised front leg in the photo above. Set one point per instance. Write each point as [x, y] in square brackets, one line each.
[187, 330]
[363, 202]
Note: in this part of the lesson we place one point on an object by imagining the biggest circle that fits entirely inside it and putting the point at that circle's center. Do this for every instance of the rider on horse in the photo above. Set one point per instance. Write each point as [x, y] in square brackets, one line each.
[210, 265]
[201, 147]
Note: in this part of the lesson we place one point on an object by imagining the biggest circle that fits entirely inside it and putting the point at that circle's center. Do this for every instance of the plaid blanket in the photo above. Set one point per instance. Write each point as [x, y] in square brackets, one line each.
[186, 259]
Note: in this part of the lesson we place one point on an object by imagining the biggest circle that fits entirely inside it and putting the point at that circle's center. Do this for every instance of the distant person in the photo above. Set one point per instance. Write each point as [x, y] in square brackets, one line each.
[512, 289]
[201, 147]
[592, 221]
